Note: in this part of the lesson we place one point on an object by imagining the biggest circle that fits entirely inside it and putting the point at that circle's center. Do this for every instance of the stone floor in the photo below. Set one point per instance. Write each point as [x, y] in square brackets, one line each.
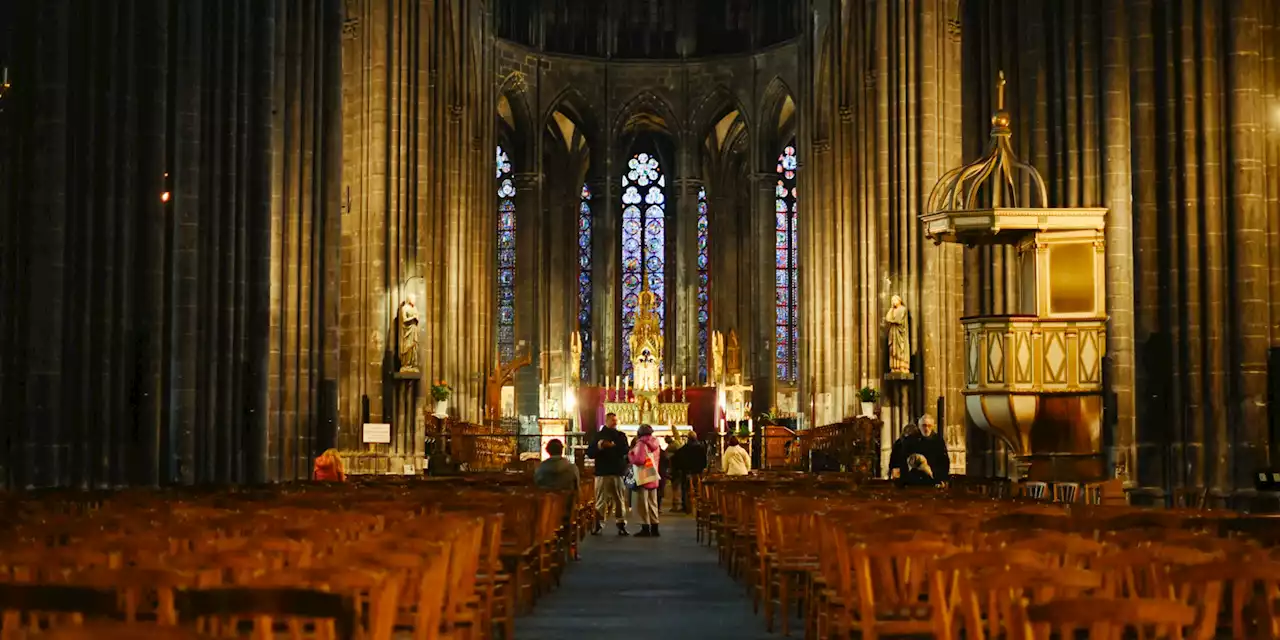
[668, 588]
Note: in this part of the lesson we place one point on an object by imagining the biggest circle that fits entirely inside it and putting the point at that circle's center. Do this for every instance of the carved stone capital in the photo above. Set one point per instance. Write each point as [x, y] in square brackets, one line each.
[455, 113]
[953, 30]
[820, 146]
[846, 114]
[688, 183]
[869, 78]
[351, 29]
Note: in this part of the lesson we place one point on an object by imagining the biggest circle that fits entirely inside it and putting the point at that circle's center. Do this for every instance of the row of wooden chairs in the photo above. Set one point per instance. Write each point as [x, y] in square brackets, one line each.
[455, 558]
[848, 559]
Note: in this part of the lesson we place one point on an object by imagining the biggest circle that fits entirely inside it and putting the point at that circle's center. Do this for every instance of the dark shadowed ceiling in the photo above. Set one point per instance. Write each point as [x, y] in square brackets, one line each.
[648, 28]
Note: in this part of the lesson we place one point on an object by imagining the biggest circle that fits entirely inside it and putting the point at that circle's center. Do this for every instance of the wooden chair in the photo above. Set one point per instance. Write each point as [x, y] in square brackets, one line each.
[1066, 492]
[214, 608]
[890, 594]
[1248, 586]
[1035, 490]
[1104, 618]
[31, 607]
[951, 577]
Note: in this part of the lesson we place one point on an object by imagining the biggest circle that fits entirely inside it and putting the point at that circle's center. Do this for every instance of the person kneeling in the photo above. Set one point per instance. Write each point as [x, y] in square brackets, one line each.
[918, 473]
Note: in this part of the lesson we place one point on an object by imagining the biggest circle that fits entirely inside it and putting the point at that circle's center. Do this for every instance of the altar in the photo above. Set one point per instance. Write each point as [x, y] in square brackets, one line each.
[671, 412]
[647, 395]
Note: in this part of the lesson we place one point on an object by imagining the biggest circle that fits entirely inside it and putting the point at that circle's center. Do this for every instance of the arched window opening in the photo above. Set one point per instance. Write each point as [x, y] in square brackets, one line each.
[704, 286]
[506, 259]
[643, 243]
[584, 281]
[785, 266]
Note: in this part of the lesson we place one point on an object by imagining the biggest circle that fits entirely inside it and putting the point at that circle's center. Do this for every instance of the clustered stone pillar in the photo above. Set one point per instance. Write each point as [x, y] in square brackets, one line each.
[169, 196]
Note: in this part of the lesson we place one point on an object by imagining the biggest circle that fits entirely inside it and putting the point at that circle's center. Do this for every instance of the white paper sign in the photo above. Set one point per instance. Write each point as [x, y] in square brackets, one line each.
[409, 470]
[377, 433]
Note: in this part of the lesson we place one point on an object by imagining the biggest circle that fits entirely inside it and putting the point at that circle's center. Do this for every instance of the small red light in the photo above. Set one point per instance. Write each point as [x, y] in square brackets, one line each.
[164, 197]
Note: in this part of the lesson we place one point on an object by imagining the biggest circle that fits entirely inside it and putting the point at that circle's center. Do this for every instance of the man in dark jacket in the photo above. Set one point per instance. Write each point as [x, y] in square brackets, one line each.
[609, 449]
[925, 441]
[689, 461]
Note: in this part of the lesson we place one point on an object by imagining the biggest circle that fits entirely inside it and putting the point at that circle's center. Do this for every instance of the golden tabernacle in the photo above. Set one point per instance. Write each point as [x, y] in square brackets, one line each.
[640, 401]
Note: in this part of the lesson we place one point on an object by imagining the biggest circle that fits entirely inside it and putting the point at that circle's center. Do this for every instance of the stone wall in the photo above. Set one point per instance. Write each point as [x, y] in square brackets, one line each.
[418, 212]
[883, 123]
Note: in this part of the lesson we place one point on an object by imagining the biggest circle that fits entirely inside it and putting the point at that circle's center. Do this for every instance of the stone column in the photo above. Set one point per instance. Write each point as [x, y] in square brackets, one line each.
[604, 273]
[756, 335]
[604, 256]
[685, 310]
[529, 289]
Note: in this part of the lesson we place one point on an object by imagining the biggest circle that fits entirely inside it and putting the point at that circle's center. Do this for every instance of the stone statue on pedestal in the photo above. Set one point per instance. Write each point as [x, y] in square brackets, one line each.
[733, 363]
[408, 335]
[899, 340]
[575, 358]
[716, 374]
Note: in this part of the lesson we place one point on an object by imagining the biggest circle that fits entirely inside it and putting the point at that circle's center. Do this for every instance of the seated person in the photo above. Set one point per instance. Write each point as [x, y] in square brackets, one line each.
[918, 473]
[329, 467]
[556, 472]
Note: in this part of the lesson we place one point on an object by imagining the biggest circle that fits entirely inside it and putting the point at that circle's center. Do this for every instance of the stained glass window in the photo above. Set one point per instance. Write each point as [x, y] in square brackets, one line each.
[506, 259]
[584, 279]
[704, 285]
[643, 243]
[785, 271]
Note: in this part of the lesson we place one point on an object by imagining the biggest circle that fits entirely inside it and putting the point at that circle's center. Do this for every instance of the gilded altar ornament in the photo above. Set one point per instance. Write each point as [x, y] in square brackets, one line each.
[646, 345]
[575, 358]
[899, 339]
[408, 335]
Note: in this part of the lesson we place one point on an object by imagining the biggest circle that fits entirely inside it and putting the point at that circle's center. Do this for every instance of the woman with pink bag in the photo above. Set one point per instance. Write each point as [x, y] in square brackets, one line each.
[644, 455]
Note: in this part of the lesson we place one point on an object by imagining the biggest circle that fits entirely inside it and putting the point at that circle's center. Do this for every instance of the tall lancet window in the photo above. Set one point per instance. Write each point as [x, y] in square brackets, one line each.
[584, 279]
[506, 259]
[643, 243]
[785, 290]
[704, 285]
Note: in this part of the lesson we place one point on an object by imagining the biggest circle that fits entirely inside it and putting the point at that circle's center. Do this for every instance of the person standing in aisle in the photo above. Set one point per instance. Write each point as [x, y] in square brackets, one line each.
[689, 462]
[609, 450]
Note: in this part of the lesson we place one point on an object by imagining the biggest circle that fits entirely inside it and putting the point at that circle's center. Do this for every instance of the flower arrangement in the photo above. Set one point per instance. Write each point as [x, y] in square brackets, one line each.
[867, 394]
[440, 391]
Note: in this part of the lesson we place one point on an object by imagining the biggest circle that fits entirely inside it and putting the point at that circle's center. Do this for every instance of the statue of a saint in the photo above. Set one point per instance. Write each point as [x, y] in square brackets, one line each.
[733, 365]
[899, 342]
[717, 358]
[408, 335]
[646, 372]
[575, 358]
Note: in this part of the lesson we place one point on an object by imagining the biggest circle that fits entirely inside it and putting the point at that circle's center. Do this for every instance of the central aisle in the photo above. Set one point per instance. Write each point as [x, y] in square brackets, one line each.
[667, 588]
